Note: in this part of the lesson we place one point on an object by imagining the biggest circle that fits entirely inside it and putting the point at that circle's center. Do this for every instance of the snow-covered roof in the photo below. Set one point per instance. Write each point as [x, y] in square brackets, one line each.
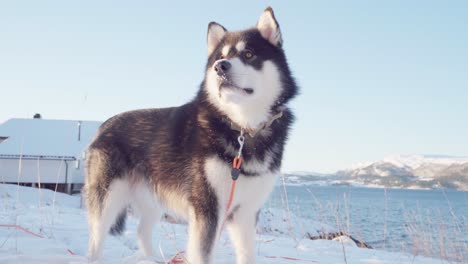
[45, 137]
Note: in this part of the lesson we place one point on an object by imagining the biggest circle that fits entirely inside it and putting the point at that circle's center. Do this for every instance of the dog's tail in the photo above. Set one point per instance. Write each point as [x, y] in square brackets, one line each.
[119, 226]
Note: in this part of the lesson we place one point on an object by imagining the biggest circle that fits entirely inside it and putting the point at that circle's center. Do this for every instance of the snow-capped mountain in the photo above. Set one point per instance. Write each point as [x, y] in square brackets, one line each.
[430, 166]
[400, 171]
[423, 171]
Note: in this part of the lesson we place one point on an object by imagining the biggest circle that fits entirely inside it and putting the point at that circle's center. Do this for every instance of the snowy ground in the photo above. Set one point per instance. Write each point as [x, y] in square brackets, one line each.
[61, 224]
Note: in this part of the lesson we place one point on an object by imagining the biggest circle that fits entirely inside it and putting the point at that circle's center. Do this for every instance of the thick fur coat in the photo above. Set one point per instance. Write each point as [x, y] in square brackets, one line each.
[181, 157]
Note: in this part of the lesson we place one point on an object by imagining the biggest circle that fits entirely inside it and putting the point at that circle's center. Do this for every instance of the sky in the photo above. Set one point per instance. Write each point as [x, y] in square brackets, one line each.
[376, 78]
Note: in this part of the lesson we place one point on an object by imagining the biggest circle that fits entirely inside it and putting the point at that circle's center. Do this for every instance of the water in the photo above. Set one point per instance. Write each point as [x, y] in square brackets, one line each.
[425, 222]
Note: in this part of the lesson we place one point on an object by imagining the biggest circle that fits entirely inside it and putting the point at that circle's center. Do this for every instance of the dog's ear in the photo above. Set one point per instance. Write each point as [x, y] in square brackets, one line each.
[269, 27]
[216, 33]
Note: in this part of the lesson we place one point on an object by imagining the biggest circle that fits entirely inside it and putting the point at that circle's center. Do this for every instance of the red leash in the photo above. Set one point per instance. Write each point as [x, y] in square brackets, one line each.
[236, 164]
[235, 172]
[23, 229]
[177, 258]
[31, 233]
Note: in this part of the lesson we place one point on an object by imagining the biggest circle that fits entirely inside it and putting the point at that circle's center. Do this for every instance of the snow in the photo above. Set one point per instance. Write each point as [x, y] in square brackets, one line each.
[61, 222]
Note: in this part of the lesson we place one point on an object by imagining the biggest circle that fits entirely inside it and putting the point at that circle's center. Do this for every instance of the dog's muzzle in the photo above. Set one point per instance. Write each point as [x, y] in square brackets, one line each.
[222, 67]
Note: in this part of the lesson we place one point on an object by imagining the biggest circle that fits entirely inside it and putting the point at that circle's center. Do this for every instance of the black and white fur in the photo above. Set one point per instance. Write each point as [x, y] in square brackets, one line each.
[181, 157]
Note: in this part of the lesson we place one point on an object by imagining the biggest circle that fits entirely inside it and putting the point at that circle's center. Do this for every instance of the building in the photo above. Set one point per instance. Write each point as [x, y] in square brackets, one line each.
[45, 152]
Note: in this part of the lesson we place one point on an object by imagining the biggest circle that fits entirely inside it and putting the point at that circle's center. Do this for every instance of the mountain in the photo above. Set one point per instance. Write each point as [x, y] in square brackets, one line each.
[399, 171]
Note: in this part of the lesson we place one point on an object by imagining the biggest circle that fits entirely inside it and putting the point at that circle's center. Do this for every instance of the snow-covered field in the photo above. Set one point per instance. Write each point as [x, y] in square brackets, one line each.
[55, 231]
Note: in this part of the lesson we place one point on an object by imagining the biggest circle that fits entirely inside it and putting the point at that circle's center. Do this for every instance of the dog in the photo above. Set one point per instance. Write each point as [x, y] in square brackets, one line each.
[181, 158]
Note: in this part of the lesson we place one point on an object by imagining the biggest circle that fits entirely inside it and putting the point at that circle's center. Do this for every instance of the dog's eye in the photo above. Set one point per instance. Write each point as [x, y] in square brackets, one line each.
[248, 54]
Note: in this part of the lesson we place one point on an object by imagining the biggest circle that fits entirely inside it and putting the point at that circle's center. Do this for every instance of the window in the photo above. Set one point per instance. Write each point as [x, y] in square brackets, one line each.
[3, 139]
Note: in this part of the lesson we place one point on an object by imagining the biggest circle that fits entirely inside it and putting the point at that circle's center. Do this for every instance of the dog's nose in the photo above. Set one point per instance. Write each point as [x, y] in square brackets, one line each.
[222, 67]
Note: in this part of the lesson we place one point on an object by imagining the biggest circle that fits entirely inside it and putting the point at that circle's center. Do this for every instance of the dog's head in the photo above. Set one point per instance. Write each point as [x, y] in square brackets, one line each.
[247, 75]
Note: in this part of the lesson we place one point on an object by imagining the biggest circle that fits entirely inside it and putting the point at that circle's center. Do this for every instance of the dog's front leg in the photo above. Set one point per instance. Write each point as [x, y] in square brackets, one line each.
[202, 235]
[242, 233]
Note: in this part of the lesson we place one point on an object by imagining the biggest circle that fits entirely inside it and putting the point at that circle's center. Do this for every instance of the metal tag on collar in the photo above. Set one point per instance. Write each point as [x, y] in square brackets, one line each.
[241, 140]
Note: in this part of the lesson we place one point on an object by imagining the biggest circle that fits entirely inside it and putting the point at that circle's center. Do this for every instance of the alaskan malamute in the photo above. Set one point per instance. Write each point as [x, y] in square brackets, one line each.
[181, 157]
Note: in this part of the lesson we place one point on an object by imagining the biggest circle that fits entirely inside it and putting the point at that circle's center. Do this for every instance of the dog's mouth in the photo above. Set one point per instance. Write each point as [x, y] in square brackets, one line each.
[225, 83]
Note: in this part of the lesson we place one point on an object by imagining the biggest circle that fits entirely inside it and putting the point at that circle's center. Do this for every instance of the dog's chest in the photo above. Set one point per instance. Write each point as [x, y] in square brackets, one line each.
[251, 191]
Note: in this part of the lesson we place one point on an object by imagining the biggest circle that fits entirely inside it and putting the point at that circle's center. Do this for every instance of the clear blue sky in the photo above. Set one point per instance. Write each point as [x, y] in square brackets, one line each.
[376, 78]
